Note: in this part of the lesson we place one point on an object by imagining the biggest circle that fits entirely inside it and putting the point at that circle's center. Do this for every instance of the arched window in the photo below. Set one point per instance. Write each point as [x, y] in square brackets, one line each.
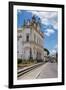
[27, 37]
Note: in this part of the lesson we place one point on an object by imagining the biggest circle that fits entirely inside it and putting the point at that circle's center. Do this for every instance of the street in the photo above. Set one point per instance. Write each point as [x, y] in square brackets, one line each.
[48, 70]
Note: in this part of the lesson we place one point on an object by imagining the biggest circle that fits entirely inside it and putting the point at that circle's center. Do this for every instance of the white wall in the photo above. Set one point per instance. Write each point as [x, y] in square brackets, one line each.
[4, 44]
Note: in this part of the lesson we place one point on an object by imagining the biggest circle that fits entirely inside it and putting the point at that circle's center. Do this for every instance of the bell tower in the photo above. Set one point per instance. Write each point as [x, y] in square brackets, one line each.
[33, 19]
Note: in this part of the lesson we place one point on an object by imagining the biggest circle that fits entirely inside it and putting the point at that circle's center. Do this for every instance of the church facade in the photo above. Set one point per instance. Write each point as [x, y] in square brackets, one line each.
[30, 41]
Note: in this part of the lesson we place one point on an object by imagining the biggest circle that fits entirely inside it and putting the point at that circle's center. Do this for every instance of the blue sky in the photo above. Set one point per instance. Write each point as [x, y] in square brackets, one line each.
[49, 25]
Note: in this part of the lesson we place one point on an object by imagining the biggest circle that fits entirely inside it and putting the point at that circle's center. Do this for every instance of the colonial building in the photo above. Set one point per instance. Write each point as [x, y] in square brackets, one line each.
[45, 55]
[30, 40]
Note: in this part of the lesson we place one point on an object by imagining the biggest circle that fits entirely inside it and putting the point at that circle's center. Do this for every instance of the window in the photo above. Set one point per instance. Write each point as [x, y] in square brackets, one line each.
[27, 37]
[18, 37]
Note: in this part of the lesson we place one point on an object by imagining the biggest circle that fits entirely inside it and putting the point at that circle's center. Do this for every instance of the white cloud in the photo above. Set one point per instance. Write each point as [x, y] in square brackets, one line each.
[47, 17]
[54, 50]
[49, 32]
[55, 26]
[56, 47]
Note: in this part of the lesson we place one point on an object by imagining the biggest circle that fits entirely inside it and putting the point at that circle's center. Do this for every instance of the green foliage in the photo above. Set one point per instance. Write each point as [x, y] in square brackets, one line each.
[45, 49]
[19, 61]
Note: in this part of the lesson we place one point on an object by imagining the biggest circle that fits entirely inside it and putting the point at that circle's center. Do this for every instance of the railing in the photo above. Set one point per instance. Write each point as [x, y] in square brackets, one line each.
[25, 70]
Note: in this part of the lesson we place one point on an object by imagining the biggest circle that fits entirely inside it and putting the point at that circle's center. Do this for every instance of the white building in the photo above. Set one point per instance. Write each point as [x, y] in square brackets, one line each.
[30, 41]
[45, 55]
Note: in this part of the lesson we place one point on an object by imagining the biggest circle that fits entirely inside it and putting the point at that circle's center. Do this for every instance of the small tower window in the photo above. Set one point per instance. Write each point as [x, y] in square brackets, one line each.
[27, 37]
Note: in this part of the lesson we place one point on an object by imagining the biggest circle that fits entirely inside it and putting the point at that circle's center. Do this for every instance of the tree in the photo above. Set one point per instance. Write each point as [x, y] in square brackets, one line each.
[45, 49]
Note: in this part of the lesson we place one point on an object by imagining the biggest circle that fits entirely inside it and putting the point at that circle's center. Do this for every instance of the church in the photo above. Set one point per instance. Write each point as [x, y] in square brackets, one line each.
[30, 40]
